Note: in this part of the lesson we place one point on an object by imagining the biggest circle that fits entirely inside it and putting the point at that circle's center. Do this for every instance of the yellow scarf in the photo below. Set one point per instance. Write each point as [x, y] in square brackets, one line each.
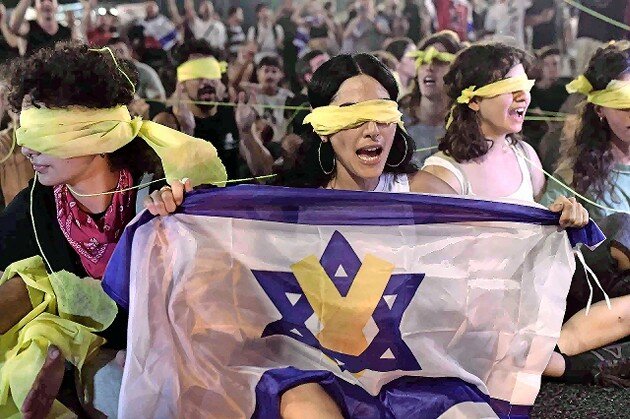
[202, 68]
[428, 55]
[75, 132]
[616, 95]
[509, 85]
[328, 120]
[67, 310]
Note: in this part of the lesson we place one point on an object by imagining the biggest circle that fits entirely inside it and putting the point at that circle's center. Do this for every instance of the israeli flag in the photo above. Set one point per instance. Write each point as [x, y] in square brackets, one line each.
[398, 305]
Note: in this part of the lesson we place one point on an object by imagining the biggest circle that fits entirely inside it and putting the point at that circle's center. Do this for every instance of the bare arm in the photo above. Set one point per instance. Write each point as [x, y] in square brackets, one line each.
[251, 147]
[175, 16]
[11, 38]
[258, 158]
[425, 182]
[189, 7]
[17, 18]
[87, 23]
[14, 304]
[445, 175]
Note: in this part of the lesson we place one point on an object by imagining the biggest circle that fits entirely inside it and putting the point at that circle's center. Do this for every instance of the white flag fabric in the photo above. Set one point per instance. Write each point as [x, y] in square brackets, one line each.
[398, 305]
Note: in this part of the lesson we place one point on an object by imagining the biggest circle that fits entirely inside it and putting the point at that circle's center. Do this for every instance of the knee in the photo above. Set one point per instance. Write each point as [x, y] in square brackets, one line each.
[308, 401]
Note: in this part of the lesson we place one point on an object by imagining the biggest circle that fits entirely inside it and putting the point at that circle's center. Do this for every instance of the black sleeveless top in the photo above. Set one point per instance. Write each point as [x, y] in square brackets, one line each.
[37, 38]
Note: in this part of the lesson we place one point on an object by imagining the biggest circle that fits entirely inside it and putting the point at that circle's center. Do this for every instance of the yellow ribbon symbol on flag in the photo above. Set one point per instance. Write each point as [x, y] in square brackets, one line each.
[343, 318]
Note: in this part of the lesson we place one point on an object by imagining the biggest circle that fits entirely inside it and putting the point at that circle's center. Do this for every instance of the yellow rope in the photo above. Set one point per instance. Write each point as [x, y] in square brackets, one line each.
[597, 15]
[39, 245]
[568, 188]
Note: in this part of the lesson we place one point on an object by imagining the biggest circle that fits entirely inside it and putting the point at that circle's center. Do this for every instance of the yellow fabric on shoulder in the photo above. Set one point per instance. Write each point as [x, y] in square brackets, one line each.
[328, 120]
[202, 68]
[76, 131]
[66, 311]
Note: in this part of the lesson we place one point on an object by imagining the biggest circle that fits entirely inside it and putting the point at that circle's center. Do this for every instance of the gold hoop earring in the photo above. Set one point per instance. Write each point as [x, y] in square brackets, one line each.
[319, 156]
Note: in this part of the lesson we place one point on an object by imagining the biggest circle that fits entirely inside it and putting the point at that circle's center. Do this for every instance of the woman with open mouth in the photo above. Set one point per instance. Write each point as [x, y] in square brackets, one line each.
[426, 107]
[357, 143]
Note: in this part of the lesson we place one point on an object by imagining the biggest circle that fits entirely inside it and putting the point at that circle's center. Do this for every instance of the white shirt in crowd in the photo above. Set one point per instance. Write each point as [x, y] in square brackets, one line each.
[506, 18]
[275, 116]
[266, 37]
[211, 30]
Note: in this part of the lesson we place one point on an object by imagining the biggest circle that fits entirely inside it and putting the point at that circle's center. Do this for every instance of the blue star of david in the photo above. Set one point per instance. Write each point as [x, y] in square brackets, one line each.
[386, 352]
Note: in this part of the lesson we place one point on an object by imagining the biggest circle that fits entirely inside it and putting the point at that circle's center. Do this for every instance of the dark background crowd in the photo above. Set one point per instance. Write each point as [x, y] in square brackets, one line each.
[273, 48]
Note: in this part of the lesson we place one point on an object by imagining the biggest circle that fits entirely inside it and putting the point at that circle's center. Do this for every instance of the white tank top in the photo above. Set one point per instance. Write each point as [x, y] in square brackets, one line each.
[525, 191]
[393, 183]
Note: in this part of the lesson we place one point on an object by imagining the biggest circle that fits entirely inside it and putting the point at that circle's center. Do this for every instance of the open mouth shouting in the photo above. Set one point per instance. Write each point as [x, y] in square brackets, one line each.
[370, 155]
[517, 113]
[428, 81]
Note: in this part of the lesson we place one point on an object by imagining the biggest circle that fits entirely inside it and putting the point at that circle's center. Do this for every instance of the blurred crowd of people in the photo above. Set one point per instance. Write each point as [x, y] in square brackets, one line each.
[270, 63]
[201, 71]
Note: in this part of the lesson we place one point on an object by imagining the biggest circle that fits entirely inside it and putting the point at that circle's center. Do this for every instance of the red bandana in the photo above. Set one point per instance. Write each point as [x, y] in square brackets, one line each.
[95, 240]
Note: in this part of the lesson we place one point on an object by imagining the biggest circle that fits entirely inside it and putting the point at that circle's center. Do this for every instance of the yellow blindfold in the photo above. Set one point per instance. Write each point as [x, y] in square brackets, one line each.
[428, 55]
[616, 95]
[74, 132]
[509, 85]
[202, 68]
[328, 120]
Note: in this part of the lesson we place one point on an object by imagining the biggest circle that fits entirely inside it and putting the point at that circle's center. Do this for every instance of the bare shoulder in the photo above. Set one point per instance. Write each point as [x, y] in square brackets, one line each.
[531, 153]
[426, 182]
[166, 119]
[444, 175]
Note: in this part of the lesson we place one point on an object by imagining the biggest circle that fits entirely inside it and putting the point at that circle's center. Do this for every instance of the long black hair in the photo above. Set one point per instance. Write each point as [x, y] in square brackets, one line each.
[307, 171]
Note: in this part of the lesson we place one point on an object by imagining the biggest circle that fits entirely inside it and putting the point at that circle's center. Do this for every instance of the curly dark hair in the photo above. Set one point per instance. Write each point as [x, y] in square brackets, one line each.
[452, 44]
[69, 74]
[307, 171]
[477, 65]
[591, 152]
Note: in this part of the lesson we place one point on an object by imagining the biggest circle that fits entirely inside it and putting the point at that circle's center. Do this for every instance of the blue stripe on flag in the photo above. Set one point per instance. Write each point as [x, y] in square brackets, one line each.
[330, 207]
[168, 40]
[406, 397]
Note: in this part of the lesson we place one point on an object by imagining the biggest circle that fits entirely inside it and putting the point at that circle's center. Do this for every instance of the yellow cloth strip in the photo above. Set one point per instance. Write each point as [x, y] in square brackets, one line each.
[202, 68]
[509, 85]
[66, 310]
[328, 120]
[74, 132]
[616, 95]
[428, 55]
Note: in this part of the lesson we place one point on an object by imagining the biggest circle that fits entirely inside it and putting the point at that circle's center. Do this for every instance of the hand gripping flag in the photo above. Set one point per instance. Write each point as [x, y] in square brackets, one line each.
[398, 305]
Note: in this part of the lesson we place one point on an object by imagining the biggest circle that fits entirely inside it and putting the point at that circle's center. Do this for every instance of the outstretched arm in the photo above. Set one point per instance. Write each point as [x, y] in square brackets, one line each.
[17, 18]
[175, 16]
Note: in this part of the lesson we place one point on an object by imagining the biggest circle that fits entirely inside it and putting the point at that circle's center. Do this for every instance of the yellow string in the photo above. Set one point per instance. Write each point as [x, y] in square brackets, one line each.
[597, 15]
[133, 86]
[568, 188]
[39, 245]
[546, 118]
[229, 104]
[144, 185]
